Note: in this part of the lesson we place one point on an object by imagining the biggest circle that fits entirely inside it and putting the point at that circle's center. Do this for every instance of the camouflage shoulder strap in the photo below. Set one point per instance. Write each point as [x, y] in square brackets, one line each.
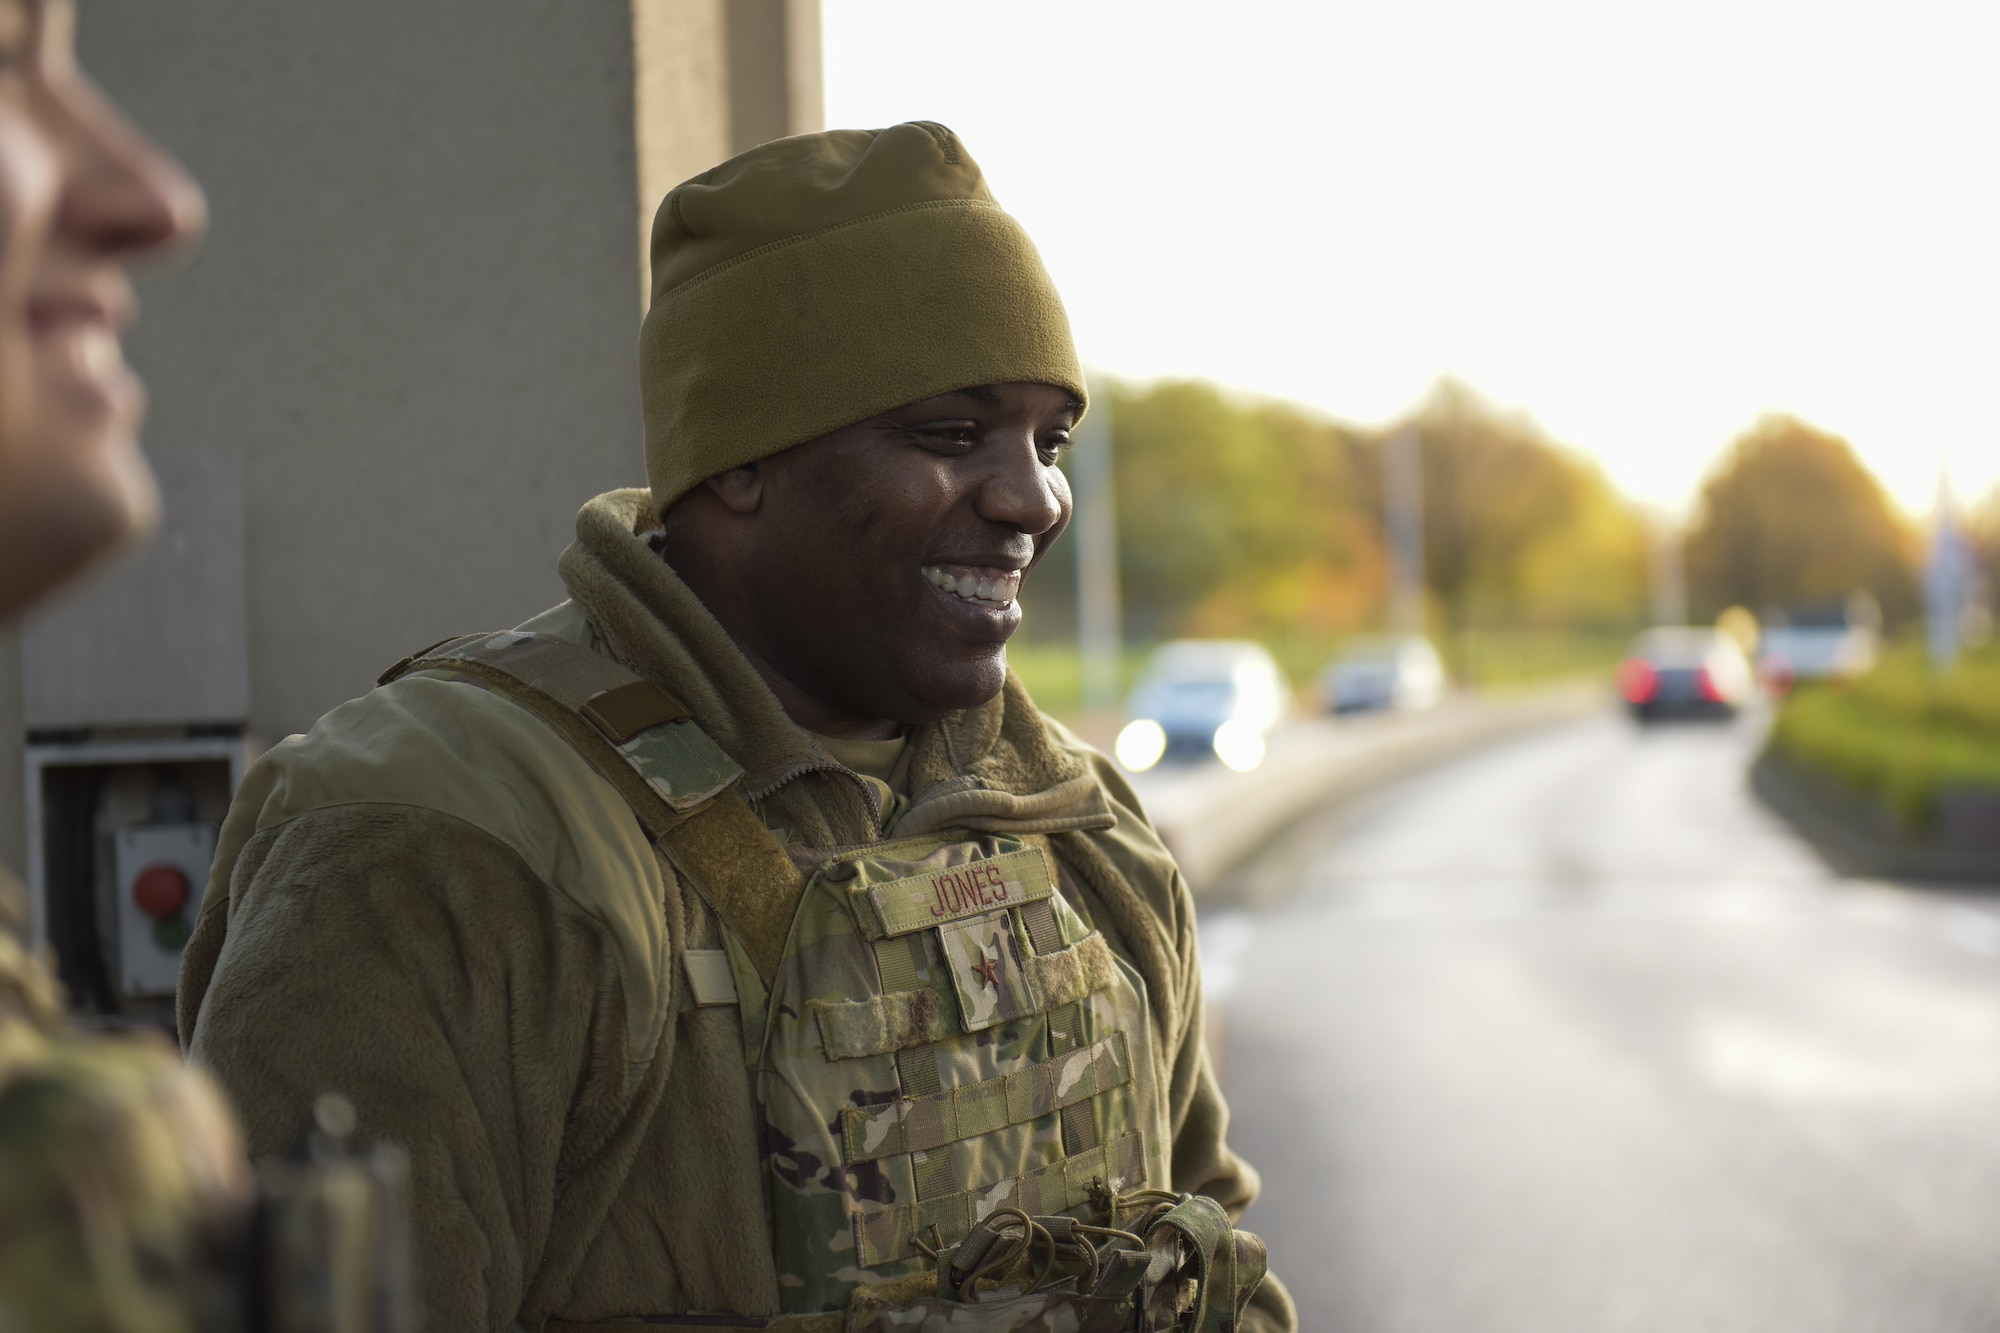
[677, 781]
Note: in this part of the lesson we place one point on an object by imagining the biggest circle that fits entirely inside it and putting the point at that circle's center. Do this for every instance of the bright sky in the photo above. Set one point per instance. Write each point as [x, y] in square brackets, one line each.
[1645, 225]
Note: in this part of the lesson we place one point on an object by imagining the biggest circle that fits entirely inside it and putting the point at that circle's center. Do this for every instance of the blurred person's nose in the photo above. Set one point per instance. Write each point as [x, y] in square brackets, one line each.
[121, 197]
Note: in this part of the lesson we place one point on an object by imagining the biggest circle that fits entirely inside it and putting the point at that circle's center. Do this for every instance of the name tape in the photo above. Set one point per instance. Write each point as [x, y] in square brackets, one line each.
[952, 893]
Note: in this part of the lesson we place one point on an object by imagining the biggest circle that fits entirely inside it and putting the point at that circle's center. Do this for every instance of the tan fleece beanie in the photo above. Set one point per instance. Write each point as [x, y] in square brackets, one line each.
[815, 281]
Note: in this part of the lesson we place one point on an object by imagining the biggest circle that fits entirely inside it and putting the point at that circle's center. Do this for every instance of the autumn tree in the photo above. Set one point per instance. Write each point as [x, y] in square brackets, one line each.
[1242, 516]
[1516, 530]
[1237, 515]
[1792, 517]
[1591, 570]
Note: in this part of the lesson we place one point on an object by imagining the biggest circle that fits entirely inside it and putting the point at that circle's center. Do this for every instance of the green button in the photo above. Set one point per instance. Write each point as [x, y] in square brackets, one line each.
[172, 933]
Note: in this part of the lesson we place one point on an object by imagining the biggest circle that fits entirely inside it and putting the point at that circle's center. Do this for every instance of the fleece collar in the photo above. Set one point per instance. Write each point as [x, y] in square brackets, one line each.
[995, 767]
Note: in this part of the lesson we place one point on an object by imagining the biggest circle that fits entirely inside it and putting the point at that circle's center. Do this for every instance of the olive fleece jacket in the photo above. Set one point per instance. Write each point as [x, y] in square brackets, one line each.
[431, 903]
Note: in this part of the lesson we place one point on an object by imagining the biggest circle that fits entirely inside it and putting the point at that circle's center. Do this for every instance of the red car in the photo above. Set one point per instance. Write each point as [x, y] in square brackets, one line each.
[1684, 671]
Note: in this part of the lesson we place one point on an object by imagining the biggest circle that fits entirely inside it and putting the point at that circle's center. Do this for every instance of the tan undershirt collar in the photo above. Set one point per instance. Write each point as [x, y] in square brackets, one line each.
[871, 759]
[880, 762]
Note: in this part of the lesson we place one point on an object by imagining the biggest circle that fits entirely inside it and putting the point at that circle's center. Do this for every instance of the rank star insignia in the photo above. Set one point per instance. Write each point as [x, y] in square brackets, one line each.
[988, 970]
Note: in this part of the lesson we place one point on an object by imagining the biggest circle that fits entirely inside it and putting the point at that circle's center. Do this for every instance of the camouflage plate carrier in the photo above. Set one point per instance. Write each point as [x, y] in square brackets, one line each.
[962, 1126]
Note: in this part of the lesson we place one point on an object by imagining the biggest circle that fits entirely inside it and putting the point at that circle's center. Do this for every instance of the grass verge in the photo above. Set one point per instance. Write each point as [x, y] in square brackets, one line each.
[1902, 734]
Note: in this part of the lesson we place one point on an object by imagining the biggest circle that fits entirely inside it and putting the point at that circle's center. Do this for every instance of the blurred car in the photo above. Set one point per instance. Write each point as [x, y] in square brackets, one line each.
[1685, 671]
[1203, 698]
[1396, 672]
[1817, 642]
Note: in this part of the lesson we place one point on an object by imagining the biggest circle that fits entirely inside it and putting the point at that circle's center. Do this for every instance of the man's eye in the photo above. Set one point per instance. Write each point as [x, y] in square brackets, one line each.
[948, 434]
[1052, 446]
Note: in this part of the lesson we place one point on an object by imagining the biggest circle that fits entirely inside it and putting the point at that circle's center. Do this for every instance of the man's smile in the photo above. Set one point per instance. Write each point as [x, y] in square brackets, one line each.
[977, 583]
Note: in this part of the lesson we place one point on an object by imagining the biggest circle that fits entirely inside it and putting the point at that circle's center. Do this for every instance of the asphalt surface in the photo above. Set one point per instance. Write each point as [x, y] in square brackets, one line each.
[1573, 1036]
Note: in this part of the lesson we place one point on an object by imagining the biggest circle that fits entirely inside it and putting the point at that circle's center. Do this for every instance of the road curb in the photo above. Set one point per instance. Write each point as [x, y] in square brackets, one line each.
[1857, 837]
[1216, 820]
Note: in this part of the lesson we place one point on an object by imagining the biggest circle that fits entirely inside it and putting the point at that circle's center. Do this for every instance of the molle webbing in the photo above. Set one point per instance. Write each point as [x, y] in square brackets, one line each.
[644, 742]
[919, 1124]
[896, 1020]
[833, 1322]
[883, 1236]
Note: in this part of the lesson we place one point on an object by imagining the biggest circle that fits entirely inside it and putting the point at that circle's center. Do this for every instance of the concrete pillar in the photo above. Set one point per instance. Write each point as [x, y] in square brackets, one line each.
[413, 327]
[715, 77]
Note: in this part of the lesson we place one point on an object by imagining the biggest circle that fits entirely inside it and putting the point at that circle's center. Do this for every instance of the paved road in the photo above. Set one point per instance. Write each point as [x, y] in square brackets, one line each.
[1572, 1037]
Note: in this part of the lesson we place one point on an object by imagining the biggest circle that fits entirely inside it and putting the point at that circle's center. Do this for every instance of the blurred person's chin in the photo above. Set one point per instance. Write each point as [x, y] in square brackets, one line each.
[83, 493]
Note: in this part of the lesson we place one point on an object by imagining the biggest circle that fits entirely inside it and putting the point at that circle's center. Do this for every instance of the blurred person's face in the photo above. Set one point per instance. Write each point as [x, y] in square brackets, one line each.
[81, 196]
[875, 570]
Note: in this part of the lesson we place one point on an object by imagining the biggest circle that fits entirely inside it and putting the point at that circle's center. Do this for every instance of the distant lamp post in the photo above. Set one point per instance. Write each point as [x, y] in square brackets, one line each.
[1948, 583]
[1669, 572]
[1403, 516]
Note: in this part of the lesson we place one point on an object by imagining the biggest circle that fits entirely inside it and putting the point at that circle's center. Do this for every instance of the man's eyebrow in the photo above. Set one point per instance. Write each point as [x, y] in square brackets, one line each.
[988, 396]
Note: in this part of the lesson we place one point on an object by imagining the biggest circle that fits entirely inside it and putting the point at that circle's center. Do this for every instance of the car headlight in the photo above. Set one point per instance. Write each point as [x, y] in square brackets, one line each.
[1141, 744]
[1239, 745]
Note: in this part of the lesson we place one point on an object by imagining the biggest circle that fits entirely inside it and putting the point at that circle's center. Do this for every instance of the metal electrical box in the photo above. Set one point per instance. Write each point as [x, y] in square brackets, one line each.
[135, 694]
[161, 870]
[101, 815]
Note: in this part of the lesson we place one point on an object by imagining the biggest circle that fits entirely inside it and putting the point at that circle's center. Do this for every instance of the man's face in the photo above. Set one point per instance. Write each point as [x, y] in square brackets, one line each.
[889, 555]
[81, 196]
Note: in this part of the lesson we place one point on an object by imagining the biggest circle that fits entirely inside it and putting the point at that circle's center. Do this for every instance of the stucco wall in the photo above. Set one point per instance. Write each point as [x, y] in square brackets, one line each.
[414, 320]
[413, 316]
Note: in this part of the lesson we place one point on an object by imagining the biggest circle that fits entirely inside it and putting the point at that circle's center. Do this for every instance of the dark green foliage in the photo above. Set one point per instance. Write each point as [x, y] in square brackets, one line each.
[1902, 733]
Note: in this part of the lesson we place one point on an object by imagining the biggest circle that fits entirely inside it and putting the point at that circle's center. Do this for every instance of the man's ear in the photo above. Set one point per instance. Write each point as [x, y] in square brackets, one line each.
[741, 489]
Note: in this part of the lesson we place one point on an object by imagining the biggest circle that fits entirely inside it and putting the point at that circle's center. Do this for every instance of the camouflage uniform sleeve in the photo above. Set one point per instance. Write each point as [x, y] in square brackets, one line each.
[123, 1186]
[417, 965]
[1201, 1157]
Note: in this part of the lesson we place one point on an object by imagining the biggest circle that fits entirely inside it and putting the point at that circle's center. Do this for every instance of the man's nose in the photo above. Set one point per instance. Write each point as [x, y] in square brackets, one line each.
[1022, 492]
[121, 195]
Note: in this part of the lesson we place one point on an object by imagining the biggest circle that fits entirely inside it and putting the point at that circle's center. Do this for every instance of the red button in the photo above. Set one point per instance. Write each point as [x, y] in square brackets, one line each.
[160, 891]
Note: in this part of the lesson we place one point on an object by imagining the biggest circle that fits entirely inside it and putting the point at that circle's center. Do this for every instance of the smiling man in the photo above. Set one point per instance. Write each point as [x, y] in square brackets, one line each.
[736, 944]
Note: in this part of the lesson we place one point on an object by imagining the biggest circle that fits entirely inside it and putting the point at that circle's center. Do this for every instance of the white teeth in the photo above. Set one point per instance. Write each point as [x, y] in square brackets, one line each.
[997, 589]
[99, 353]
